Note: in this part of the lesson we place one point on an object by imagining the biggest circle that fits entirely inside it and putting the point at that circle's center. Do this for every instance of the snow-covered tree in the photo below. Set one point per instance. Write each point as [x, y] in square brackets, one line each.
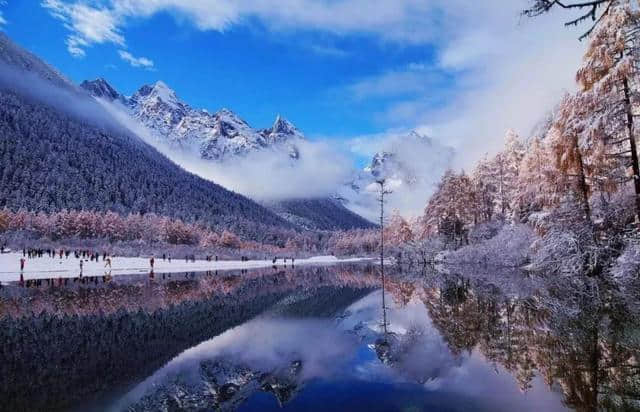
[571, 180]
[483, 179]
[228, 239]
[533, 191]
[452, 208]
[398, 230]
[608, 95]
[607, 80]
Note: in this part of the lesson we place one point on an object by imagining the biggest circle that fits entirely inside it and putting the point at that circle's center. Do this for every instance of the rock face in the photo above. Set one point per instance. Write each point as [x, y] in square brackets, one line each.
[100, 88]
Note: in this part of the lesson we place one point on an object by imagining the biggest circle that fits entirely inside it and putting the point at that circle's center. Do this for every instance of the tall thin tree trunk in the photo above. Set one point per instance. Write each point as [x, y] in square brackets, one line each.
[384, 304]
[632, 144]
[582, 182]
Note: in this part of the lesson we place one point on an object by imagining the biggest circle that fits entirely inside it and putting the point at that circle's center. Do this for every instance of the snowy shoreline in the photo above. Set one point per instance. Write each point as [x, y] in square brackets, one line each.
[47, 267]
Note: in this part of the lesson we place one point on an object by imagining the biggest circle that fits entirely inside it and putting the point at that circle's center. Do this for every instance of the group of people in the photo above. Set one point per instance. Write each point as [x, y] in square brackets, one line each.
[89, 255]
[83, 255]
[275, 260]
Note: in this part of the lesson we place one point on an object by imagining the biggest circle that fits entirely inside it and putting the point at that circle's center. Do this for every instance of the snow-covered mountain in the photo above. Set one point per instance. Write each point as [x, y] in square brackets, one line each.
[222, 138]
[410, 164]
[100, 88]
[218, 136]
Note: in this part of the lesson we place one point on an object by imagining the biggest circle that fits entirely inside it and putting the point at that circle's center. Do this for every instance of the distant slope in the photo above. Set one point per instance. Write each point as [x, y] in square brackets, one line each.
[57, 152]
[319, 214]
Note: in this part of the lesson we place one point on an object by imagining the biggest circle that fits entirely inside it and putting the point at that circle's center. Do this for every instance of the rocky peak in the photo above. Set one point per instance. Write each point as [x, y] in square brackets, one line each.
[102, 89]
[283, 126]
[158, 94]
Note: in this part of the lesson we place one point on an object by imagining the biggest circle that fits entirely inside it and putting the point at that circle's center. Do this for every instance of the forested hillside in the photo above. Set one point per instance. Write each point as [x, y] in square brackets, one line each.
[51, 161]
[59, 150]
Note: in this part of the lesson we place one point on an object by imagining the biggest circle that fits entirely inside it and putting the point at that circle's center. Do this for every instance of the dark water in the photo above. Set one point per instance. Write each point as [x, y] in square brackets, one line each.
[316, 339]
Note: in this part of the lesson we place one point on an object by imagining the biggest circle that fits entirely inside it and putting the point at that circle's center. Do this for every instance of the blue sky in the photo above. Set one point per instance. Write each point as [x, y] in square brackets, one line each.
[305, 76]
[351, 71]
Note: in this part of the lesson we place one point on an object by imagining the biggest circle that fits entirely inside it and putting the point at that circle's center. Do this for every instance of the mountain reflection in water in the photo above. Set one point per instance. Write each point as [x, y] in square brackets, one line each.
[314, 339]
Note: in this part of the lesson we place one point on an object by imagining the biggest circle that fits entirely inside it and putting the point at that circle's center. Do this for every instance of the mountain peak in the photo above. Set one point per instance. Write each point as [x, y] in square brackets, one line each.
[227, 116]
[102, 89]
[281, 131]
[282, 125]
[164, 92]
[226, 112]
[159, 92]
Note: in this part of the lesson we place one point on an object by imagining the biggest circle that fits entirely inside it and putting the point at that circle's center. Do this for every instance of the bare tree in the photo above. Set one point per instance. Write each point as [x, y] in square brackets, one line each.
[539, 7]
[382, 191]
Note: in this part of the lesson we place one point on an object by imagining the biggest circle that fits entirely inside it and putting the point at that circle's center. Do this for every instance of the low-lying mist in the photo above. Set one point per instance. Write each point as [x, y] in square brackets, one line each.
[264, 175]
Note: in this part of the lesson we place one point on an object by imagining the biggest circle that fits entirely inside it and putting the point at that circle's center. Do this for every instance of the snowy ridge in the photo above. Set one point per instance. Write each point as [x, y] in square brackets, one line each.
[217, 136]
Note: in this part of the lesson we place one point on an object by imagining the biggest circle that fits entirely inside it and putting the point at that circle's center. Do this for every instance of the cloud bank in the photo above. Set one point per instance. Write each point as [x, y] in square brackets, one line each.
[262, 175]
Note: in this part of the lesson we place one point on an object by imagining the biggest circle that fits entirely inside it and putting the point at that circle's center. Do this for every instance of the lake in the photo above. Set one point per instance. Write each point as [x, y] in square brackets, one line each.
[316, 338]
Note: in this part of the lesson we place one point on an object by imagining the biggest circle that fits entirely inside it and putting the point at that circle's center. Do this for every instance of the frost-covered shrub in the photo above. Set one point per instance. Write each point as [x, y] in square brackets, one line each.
[422, 251]
[628, 264]
[565, 252]
[626, 273]
[485, 231]
[510, 247]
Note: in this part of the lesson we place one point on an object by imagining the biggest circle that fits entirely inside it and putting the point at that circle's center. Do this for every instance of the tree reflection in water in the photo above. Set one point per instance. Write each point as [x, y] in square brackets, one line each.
[578, 335]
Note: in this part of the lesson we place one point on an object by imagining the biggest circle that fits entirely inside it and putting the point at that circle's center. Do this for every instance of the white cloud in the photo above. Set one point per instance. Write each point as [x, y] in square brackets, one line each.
[399, 20]
[508, 72]
[88, 25]
[101, 21]
[415, 79]
[135, 61]
[413, 172]
[327, 50]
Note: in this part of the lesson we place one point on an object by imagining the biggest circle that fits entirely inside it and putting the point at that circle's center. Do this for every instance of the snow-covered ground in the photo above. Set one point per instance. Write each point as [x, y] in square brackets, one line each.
[46, 267]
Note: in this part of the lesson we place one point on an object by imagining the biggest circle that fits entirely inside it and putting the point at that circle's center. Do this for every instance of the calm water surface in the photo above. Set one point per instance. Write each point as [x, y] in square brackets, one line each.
[314, 338]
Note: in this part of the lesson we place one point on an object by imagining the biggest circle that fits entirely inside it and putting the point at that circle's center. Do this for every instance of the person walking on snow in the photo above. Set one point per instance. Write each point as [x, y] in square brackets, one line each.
[22, 264]
[151, 261]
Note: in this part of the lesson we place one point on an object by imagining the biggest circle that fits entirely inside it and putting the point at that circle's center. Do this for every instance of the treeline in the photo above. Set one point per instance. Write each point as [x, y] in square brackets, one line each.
[114, 227]
[154, 229]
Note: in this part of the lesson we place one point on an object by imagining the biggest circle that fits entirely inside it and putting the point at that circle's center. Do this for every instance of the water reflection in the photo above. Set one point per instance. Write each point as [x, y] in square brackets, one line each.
[64, 345]
[317, 339]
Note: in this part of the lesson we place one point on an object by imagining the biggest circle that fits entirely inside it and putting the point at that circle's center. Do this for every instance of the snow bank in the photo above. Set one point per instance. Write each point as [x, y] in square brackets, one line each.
[46, 267]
